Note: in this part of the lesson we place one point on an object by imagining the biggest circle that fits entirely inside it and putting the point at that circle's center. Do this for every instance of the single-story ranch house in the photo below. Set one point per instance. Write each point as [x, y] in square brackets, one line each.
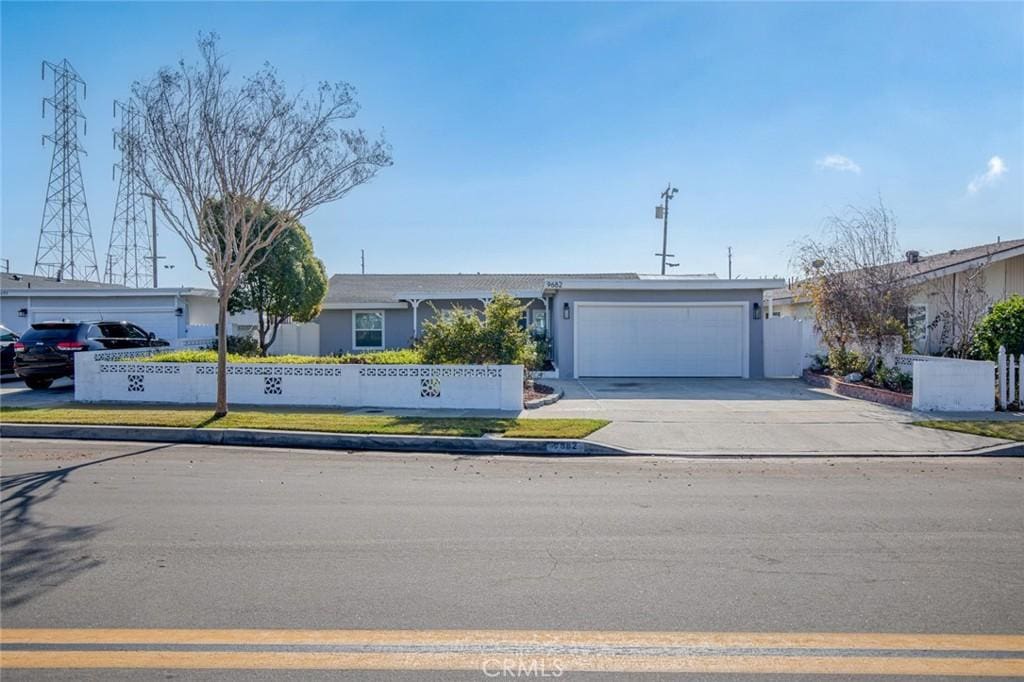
[599, 324]
[934, 277]
[610, 325]
[169, 312]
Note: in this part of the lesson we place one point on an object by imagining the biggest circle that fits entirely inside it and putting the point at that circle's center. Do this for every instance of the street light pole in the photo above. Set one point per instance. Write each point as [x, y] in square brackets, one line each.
[662, 212]
[153, 198]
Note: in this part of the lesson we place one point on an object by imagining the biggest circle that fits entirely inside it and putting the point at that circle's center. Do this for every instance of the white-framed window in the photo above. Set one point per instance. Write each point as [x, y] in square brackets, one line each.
[917, 326]
[367, 329]
[539, 321]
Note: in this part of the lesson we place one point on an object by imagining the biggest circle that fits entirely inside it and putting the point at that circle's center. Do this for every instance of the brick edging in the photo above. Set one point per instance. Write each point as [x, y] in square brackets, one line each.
[859, 391]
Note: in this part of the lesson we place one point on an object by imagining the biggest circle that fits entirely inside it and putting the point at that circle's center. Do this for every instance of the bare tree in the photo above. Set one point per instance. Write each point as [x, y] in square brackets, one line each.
[856, 278]
[240, 148]
[963, 303]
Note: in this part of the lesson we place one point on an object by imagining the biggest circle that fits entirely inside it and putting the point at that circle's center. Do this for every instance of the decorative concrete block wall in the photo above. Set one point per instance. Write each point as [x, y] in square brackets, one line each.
[111, 376]
[949, 385]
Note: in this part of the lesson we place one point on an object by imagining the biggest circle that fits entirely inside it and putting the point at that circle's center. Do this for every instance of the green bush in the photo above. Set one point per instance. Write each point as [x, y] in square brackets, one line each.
[240, 345]
[1003, 326]
[893, 379]
[843, 362]
[463, 337]
[405, 356]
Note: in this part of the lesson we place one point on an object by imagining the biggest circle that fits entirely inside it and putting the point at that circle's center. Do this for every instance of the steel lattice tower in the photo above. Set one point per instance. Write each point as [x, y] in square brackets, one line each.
[130, 255]
[65, 249]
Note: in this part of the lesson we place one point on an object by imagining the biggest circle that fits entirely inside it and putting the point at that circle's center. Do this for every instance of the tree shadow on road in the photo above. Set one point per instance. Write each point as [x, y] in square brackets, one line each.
[37, 556]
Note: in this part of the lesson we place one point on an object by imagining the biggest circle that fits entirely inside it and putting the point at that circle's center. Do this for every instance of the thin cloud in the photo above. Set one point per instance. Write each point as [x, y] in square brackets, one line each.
[996, 169]
[838, 162]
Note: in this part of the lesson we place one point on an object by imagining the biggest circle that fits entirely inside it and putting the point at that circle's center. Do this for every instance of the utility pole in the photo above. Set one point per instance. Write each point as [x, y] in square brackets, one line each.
[153, 199]
[662, 213]
[362, 261]
[730, 262]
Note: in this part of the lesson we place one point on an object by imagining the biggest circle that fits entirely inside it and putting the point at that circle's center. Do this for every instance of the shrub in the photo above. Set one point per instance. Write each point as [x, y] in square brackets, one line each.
[240, 345]
[843, 362]
[893, 379]
[463, 337]
[407, 356]
[1002, 326]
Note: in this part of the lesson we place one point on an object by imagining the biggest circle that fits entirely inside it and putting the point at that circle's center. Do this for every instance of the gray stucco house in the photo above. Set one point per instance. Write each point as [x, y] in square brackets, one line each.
[607, 324]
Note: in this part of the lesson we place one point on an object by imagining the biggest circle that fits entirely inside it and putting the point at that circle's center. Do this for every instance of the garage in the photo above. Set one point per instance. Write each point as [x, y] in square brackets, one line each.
[669, 339]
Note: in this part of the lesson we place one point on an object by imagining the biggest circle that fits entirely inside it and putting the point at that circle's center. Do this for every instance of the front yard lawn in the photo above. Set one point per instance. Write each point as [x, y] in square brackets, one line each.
[297, 419]
[992, 429]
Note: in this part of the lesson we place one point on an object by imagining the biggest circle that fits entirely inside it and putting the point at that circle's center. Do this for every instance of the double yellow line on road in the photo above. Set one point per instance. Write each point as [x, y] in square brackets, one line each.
[491, 651]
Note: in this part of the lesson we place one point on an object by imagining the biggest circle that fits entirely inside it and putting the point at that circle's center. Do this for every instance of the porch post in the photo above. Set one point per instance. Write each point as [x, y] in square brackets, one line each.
[415, 303]
[547, 327]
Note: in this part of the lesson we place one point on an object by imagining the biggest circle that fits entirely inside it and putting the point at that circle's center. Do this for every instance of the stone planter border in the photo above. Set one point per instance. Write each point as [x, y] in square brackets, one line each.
[859, 391]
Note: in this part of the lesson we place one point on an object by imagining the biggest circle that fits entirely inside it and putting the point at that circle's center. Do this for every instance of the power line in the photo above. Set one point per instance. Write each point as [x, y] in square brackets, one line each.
[65, 248]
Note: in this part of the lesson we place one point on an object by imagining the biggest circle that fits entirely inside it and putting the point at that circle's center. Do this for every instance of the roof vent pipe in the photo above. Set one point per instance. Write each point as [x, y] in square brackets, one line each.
[913, 256]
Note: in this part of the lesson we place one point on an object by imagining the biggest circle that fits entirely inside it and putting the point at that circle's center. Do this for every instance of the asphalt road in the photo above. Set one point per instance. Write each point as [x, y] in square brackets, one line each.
[105, 535]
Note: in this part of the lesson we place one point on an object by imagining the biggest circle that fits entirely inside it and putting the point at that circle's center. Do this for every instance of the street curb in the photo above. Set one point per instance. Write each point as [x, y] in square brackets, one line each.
[457, 445]
[317, 440]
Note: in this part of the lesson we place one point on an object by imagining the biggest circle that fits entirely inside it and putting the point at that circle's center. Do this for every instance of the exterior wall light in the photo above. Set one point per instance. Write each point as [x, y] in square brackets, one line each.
[22, 312]
[757, 310]
[565, 310]
[179, 312]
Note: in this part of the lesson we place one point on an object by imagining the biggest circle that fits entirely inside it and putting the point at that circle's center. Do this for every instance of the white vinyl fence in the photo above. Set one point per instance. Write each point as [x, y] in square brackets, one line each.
[1008, 376]
[112, 376]
[789, 346]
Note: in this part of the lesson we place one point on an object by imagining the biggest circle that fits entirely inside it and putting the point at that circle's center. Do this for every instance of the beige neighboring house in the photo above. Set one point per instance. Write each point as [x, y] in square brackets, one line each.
[935, 278]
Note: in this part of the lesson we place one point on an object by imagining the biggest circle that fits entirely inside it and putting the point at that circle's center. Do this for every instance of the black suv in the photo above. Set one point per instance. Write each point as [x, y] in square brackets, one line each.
[47, 350]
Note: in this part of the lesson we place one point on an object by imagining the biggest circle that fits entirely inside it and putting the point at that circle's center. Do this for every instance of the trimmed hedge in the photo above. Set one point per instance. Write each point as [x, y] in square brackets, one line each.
[403, 356]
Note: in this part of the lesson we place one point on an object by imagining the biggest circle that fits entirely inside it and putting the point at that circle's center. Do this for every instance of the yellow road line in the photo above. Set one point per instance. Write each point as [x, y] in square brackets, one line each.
[795, 640]
[818, 665]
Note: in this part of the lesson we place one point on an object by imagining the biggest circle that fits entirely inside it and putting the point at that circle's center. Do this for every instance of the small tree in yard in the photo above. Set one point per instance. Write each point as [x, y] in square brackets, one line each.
[463, 337]
[855, 280]
[289, 283]
[219, 155]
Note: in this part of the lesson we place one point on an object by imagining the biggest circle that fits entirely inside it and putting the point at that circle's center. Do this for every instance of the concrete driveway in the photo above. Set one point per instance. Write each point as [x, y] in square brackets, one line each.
[746, 416]
[14, 393]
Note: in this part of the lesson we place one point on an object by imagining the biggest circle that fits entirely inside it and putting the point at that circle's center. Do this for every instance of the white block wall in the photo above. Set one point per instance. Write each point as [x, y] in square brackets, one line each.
[948, 385]
[480, 387]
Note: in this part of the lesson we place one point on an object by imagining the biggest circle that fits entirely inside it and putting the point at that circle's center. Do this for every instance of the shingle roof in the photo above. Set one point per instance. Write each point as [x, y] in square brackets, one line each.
[927, 264]
[356, 288]
[14, 280]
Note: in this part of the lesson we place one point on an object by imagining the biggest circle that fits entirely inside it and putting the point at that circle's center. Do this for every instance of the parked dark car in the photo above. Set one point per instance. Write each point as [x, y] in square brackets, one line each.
[7, 340]
[46, 351]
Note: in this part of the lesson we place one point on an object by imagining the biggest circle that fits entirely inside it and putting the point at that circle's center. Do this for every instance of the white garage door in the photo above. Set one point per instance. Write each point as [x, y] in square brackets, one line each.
[660, 340]
[163, 324]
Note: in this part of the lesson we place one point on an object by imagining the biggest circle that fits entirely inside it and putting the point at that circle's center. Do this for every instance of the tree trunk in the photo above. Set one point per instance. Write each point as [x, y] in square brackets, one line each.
[274, 324]
[261, 329]
[221, 409]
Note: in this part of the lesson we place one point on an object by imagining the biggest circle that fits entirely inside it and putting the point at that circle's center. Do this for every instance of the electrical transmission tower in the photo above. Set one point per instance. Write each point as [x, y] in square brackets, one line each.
[65, 249]
[129, 256]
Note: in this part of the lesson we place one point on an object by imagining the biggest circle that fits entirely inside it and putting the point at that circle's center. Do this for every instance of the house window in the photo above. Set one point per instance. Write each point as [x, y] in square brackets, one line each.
[917, 327]
[368, 329]
[540, 322]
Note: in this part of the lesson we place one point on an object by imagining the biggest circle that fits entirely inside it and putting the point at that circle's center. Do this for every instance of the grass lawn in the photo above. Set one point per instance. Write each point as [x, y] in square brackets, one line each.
[301, 420]
[992, 429]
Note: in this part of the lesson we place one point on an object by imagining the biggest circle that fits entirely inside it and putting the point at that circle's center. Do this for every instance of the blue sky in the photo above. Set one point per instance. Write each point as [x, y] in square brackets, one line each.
[537, 137]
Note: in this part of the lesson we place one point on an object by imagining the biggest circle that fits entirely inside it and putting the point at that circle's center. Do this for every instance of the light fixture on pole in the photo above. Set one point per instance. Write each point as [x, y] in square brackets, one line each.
[661, 213]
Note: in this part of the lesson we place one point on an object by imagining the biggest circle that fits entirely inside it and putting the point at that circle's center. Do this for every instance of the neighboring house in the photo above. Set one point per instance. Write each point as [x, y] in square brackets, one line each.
[610, 325]
[168, 312]
[934, 277]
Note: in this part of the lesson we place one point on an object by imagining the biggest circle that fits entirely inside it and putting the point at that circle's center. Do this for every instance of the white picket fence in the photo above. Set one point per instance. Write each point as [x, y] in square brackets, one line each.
[1008, 389]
